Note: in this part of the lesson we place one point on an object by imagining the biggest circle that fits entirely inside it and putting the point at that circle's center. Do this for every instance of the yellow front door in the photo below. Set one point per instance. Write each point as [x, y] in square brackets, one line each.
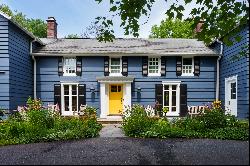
[115, 99]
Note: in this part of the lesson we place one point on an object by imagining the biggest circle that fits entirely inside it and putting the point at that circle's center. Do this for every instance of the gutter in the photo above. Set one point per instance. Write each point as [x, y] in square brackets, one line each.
[119, 53]
[34, 68]
[218, 70]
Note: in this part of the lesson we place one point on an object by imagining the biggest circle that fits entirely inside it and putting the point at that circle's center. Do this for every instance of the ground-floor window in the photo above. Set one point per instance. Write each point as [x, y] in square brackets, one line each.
[69, 98]
[171, 98]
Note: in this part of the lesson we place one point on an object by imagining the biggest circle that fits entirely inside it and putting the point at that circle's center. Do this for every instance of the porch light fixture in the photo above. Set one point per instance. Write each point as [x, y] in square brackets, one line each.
[92, 89]
[139, 89]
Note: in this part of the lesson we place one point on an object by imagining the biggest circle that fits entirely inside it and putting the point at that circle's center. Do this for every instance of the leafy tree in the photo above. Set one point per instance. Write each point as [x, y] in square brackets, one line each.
[36, 26]
[170, 28]
[72, 36]
[219, 16]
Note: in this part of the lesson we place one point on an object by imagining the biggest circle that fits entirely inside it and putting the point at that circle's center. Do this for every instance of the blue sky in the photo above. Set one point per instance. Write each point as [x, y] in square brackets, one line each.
[73, 16]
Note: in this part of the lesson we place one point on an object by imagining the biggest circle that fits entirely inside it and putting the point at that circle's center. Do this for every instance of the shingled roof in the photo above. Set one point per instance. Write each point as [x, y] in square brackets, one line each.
[131, 46]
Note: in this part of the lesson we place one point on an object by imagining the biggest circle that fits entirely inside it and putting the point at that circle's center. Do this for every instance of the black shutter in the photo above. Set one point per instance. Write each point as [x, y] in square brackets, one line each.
[163, 66]
[106, 66]
[178, 66]
[159, 97]
[78, 66]
[125, 66]
[60, 66]
[183, 100]
[57, 95]
[145, 66]
[81, 95]
[196, 65]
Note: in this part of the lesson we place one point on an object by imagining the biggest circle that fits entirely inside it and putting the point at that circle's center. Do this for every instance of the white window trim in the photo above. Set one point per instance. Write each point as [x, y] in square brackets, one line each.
[177, 83]
[159, 67]
[64, 69]
[70, 112]
[187, 74]
[115, 74]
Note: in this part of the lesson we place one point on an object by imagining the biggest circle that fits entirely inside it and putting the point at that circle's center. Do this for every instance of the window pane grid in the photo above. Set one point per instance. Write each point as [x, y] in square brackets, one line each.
[187, 69]
[153, 65]
[70, 65]
[187, 65]
[115, 65]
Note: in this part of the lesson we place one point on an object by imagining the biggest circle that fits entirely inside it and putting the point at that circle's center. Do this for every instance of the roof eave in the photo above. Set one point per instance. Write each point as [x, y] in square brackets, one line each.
[126, 54]
[20, 27]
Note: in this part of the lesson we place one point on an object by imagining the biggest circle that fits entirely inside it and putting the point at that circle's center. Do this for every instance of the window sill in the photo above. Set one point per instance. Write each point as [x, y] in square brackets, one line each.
[186, 75]
[66, 75]
[115, 75]
[154, 75]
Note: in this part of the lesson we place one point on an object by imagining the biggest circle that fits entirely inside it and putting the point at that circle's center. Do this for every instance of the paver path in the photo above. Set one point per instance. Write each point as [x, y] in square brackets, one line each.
[112, 130]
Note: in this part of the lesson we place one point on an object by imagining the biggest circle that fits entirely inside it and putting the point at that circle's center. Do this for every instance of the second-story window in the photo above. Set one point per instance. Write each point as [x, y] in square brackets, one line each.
[69, 66]
[115, 66]
[187, 67]
[154, 67]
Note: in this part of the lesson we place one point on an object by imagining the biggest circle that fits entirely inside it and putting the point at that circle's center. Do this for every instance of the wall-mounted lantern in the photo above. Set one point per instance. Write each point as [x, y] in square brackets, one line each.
[92, 89]
[139, 89]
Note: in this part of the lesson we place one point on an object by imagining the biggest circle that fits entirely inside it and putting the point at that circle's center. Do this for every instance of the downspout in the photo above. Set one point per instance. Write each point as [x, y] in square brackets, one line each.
[218, 71]
[34, 67]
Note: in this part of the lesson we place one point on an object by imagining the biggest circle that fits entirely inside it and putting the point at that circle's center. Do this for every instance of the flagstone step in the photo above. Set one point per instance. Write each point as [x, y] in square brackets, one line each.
[109, 120]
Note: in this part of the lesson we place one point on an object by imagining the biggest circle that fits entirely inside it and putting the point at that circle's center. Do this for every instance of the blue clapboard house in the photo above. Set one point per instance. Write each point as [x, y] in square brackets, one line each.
[175, 73]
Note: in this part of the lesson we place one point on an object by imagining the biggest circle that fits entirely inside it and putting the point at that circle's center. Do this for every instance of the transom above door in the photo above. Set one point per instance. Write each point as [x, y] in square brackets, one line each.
[115, 99]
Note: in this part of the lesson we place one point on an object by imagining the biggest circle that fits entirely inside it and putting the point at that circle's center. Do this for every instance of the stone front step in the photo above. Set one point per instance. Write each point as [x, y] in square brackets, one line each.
[110, 120]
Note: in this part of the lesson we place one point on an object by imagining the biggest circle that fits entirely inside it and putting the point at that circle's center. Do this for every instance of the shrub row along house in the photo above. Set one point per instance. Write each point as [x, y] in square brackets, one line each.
[109, 76]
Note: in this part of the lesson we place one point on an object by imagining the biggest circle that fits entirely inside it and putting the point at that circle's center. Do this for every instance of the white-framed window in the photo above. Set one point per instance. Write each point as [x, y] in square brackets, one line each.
[187, 66]
[154, 66]
[69, 66]
[171, 98]
[69, 98]
[115, 66]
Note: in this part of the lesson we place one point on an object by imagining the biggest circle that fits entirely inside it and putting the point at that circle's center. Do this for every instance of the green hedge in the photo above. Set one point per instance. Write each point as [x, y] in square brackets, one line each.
[213, 124]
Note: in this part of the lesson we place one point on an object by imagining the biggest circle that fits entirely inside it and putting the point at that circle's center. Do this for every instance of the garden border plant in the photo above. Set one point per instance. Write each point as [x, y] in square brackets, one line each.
[214, 123]
[34, 123]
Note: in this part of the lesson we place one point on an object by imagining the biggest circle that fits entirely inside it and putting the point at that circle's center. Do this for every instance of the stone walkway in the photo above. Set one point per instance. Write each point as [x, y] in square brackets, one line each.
[112, 130]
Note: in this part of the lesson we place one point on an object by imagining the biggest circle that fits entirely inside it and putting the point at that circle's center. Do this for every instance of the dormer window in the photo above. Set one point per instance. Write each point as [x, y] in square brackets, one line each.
[115, 67]
[69, 66]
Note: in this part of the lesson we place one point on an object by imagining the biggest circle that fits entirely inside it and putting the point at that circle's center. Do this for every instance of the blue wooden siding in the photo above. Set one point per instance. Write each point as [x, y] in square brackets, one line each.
[239, 67]
[47, 76]
[200, 89]
[21, 67]
[4, 64]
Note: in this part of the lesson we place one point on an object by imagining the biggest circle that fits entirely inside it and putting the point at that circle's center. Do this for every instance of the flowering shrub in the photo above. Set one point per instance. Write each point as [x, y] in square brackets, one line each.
[34, 123]
[136, 121]
[216, 105]
[214, 123]
[35, 104]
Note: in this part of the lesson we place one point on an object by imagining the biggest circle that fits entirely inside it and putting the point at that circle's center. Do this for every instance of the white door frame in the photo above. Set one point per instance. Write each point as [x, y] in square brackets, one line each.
[177, 83]
[104, 97]
[70, 112]
[228, 100]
